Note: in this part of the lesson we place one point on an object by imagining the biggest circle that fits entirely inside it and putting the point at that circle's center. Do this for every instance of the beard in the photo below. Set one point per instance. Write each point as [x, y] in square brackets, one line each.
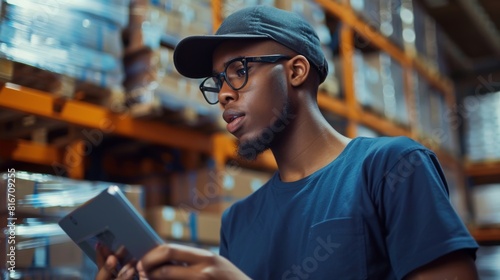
[251, 148]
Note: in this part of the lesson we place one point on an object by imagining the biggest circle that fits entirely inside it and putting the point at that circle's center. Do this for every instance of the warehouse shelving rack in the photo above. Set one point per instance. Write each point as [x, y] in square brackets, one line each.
[220, 146]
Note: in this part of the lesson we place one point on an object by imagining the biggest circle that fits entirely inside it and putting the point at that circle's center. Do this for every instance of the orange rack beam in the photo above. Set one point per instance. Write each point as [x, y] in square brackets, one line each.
[101, 119]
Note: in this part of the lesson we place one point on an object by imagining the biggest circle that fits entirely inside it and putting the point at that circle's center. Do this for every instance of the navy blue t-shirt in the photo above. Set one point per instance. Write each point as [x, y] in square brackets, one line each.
[378, 211]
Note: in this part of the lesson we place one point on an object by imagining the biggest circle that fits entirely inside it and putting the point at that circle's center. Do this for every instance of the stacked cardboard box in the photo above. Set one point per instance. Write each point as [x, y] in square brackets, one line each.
[198, 198]
[184, 224]
[154, 88]
[211, 190]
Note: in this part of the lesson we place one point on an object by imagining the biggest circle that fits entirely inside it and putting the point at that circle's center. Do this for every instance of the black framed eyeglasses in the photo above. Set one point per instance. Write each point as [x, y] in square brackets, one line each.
[235, 74]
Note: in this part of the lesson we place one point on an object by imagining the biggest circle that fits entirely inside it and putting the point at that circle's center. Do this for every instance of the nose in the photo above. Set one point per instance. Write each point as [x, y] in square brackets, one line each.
[227, 95]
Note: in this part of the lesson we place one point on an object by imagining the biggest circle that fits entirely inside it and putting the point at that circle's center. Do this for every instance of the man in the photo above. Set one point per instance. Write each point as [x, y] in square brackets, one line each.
[337, 208]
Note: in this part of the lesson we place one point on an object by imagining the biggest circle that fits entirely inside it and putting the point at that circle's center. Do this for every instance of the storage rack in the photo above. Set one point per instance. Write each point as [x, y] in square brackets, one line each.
[219, 145]
[484, 172]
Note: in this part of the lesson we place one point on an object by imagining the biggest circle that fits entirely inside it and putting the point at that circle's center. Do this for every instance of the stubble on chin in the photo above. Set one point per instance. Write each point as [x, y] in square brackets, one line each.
[250, 149]
[269, 136]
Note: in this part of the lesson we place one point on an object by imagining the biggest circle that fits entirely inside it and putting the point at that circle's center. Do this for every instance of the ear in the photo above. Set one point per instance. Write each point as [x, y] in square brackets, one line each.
[299, 70]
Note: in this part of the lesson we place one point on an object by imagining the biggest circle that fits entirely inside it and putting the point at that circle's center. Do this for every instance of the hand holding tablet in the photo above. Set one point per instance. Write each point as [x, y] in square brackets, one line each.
[110, 222]
[111, 232]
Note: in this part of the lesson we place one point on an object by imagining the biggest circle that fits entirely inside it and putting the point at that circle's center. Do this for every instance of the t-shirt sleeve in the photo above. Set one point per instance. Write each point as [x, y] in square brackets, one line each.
[420, 222]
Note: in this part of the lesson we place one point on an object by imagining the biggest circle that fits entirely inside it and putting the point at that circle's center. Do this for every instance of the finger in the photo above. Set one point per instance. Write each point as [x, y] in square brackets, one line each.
[108, 270]
[171, 272]
[127, 272]
[122, 254]
[173, 253]
[102, 253]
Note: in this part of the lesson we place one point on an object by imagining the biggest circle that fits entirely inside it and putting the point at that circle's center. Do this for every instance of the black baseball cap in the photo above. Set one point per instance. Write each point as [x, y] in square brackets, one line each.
[193, 54]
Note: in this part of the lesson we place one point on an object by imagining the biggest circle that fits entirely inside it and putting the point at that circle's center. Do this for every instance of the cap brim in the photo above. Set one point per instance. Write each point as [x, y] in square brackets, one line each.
[193, 55]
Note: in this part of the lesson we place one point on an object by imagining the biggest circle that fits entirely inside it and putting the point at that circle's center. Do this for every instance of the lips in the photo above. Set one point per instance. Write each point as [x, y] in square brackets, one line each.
[233, 119]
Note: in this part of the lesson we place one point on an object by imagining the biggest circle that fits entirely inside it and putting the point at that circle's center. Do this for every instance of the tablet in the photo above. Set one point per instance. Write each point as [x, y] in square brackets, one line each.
[112, 221]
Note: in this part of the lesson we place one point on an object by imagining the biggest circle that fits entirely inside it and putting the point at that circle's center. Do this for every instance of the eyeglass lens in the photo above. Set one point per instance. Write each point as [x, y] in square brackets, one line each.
[235, 75]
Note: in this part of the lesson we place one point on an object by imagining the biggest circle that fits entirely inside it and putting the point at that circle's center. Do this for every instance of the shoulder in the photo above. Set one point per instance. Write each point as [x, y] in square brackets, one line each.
[391, 145]
[389, 151]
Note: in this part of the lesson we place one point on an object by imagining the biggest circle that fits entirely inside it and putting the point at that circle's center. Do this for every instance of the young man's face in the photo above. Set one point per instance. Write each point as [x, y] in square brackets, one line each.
[258, 113]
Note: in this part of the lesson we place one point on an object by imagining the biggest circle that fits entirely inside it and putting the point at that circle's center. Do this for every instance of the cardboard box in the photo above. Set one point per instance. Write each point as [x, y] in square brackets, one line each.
[208, 189]
[184, 224]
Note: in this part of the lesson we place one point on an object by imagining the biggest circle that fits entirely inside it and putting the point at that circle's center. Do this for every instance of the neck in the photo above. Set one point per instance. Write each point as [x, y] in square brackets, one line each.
[309, 144]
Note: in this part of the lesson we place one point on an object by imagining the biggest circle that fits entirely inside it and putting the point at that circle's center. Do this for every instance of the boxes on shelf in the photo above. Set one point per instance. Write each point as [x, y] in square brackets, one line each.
[39, 201]
[183, 18]
[422, 92]
[76, 39]
[486, 209]
[194, 10]
[184, 224]
[487, 258]
[433, 115]
[331, 85]
[393, 91]
[231, 6]
[391, 25]
[448, 133]
[43, 249]
[156, 90]
[315, 15]
[368, 81]
[152, 83]
[482, 126]
[211, 190]
[369, 10]
[39, 195]
[408, 18]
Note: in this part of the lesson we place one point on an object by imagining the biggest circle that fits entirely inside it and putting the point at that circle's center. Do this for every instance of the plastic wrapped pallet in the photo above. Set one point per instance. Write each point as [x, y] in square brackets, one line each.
[79, 39]
[76, 27]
